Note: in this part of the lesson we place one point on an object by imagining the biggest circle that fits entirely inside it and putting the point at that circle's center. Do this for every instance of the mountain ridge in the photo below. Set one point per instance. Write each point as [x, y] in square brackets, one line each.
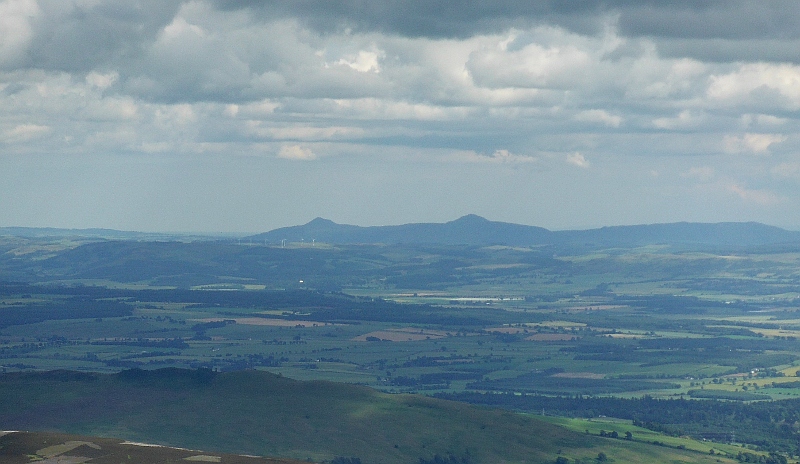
[472, 229]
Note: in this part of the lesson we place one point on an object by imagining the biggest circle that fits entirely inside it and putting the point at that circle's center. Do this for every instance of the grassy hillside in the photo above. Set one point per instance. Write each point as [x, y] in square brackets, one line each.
[260, 413]
[25, 447]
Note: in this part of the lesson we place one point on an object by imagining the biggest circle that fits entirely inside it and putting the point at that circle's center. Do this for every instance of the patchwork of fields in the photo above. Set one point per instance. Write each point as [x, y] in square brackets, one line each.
[456, 322]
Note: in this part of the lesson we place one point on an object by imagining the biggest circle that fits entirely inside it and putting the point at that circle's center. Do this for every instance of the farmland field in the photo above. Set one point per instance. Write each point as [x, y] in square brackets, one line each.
[455, 322]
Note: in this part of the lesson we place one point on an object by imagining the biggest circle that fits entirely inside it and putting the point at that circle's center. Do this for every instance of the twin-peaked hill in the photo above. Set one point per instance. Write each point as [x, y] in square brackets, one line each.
[467, 230]
[475, 230]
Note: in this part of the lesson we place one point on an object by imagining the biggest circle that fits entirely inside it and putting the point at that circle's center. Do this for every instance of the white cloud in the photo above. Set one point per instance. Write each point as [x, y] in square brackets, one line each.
[789, 169]
[498, 157]
[701, 173]
[296, 152]
[263, 108]
[231, 110]
[15, 28]
[24, 133]
[757, 83]
[364, 61]
[759, 197]
[127, 138]
[111, 109]
[577, 159]
[534, 66]
[379, 108]
[299, 132]
[652, 77]
[102, 81]
[157, 147]
[181, 115]
[599, 116]
[749, 120]
[753, 143]
[181, 28]
[686, 119]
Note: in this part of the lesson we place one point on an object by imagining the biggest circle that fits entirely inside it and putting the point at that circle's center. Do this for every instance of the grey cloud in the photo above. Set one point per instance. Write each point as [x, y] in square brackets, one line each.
[422, 18]
[245, 62]
[727, 50]
[74, 38]
[720, 19]
[715, 30]
[14, 88]
[203, 60]
[730, 19]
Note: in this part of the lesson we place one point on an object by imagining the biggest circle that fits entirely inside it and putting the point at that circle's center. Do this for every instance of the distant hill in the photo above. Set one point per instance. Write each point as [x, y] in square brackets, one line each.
[102, 234]
[475, 230]
[722, 234]
[467, 230]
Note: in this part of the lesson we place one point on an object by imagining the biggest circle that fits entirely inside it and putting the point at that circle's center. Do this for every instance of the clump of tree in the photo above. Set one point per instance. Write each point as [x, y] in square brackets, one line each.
[343, 460]
[773, 458]
[449, 459]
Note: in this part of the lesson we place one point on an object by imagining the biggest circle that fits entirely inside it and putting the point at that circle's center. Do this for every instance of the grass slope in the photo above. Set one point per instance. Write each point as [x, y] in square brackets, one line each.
[260, 413]
[25, 447]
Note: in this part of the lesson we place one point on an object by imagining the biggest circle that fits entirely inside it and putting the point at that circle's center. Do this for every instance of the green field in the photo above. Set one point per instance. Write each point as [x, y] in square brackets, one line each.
[718, 327]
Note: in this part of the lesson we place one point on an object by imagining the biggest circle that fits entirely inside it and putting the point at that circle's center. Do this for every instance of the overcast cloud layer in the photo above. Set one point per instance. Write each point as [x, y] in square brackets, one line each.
[235, 115]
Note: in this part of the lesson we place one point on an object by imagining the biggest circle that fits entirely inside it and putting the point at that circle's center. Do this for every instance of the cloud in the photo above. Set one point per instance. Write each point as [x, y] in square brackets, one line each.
[600, 117]
[421, 18]
[83, 35]
[753, 143]
[758, 83]
[759, 197]
[296, 152]
[749, 120]
[730, 19]
[389, 109]
[684, 120]
[533, 66]
[577, 159]
[364, 61]
[413, 81]
[497, 157]
[24, 133]
[16, 29]
[301, 132]
[702, 173]
[102, 81]
[729, 50]
[789, 169]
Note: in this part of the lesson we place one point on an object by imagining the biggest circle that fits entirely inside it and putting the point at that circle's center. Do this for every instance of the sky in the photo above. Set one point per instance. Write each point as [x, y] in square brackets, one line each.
[246, 116]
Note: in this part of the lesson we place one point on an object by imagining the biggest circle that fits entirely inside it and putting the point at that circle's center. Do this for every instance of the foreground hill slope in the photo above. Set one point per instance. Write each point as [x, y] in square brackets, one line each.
[51, 447]
[260, 413]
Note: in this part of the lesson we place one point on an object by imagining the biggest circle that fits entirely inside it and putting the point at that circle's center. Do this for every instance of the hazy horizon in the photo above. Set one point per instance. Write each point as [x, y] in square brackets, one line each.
[246, 116]
[255, 232]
